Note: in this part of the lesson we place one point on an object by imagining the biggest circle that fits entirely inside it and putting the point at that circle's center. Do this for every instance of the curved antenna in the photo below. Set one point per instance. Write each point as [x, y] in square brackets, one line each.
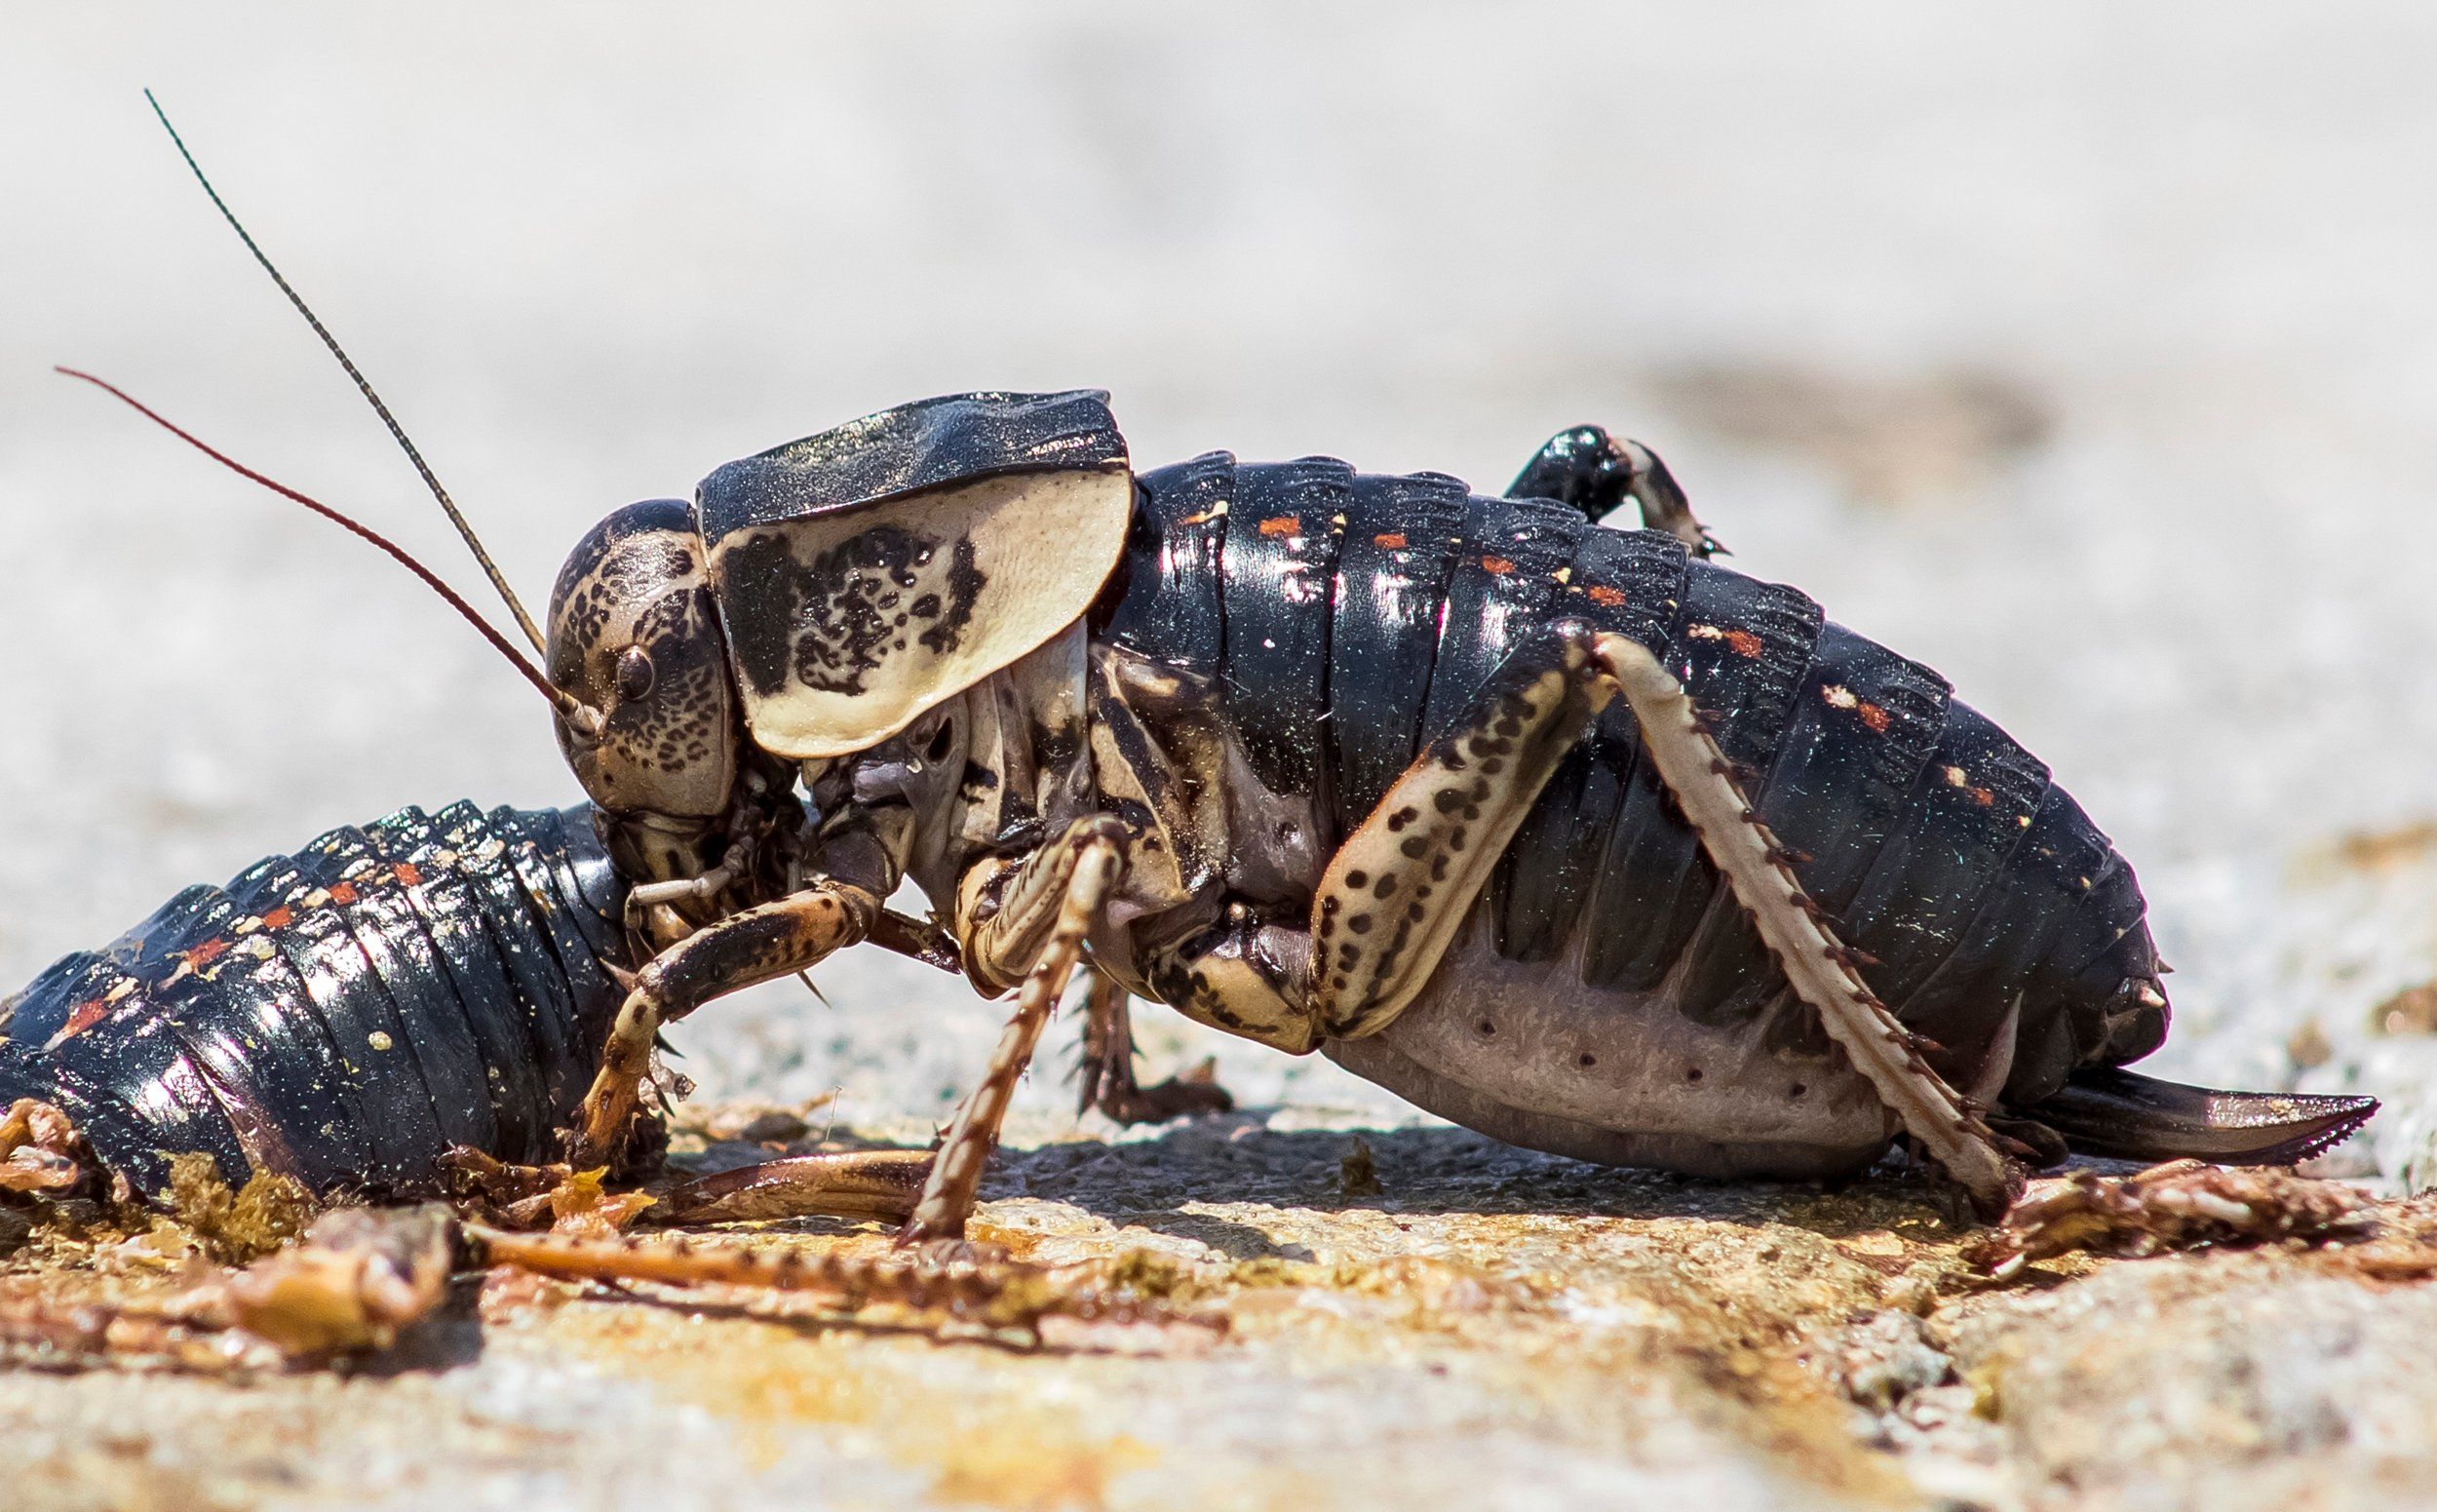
[472, 542]
[573, 710]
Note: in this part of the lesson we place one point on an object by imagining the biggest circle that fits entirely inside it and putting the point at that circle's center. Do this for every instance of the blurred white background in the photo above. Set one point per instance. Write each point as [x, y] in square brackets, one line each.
[2088, 354]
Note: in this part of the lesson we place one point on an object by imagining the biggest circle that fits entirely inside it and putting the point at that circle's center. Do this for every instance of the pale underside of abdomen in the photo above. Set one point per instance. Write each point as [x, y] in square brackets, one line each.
[1526, 1052]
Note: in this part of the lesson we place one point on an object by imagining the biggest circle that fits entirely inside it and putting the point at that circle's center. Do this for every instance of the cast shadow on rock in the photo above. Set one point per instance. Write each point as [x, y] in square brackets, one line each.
[1236, 1158]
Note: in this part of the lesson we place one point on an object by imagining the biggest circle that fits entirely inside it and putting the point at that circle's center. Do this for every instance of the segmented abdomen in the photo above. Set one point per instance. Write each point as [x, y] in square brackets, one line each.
[343, 1015]
[1345, 619]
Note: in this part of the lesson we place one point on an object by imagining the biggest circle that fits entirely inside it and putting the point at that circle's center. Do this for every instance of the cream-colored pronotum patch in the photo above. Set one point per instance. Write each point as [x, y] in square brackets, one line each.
[847, 625]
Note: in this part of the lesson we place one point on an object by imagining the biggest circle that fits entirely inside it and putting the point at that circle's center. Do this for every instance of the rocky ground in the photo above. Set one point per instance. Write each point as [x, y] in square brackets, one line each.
[1413, 1318]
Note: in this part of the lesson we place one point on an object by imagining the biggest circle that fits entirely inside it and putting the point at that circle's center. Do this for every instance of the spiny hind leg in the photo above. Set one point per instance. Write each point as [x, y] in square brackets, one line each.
[1046, 913]
[1823, 972]
[1104, 1076]
[1597, 473]
[1399, 887]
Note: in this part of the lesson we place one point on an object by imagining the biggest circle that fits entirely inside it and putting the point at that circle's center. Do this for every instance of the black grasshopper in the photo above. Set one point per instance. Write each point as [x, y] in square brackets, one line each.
[1318, 758]
[1330, 761]
[1560, 830]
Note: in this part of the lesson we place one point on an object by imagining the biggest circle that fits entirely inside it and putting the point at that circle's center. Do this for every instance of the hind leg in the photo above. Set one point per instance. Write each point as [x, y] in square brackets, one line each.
[1402, 884]
[1821, 969]
[1598, 473]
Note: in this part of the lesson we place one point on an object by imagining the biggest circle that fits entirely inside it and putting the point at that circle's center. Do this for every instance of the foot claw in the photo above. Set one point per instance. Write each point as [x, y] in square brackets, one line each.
[949, 1250]
[943, 1242]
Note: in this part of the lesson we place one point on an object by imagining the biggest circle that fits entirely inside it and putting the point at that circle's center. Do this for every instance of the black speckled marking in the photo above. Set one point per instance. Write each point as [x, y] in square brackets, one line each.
[1435, 838]
[761, 577]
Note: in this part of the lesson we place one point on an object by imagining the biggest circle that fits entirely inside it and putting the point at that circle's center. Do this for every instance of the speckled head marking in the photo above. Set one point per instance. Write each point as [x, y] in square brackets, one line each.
[634, 633]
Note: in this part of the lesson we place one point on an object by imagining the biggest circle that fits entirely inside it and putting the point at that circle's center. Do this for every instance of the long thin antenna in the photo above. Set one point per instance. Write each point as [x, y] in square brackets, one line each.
[472, 542]
[574, 710]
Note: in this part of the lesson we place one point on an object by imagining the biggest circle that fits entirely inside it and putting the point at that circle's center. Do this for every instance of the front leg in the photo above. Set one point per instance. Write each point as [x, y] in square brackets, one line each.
[1046, 913]
[758, 944]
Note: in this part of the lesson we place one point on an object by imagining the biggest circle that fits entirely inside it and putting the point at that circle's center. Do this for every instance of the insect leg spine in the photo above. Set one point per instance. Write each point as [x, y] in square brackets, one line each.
[1790, 922]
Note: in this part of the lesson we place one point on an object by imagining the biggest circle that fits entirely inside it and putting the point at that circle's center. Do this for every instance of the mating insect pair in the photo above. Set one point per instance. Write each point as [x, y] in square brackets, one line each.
[1559, 830]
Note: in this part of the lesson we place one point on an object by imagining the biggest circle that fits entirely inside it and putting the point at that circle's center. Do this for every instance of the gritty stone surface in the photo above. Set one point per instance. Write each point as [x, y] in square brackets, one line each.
[1490, 1328]
[2085, 356]
[2209, 1380]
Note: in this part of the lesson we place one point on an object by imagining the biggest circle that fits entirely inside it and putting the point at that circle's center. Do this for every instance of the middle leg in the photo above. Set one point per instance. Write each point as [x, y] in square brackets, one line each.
[1046, 911]
[1107, 1073]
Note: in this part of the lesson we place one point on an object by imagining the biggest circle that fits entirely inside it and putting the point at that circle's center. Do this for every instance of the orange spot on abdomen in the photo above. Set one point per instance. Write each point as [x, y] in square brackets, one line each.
[280, 917]
[1282, 524]
[1605, 596]
[342, 892]
[408, 874]
[1873, 716]
[1744, 643]
[1496, 566]
[1393, 540]
[84, 1016]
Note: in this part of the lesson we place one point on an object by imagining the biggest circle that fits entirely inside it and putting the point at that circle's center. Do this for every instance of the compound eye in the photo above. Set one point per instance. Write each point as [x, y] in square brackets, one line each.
[634, 674]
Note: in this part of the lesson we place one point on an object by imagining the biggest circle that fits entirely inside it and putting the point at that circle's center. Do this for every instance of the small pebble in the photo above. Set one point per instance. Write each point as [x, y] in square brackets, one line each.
[2307, 1047]
[2412, 1011]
